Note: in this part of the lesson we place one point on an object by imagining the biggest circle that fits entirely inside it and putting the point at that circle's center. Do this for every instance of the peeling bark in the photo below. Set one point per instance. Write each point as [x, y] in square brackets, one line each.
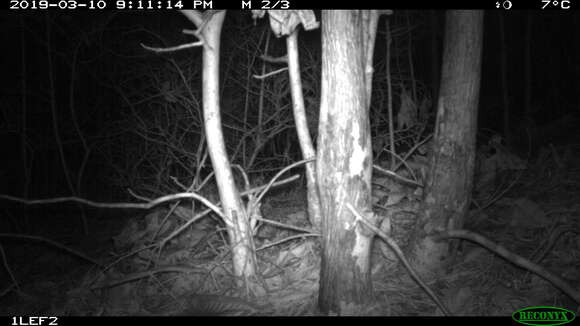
[344, 163]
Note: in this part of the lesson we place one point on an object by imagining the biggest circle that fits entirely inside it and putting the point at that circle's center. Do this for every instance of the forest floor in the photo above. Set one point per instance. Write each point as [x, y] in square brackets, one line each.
[538, 217]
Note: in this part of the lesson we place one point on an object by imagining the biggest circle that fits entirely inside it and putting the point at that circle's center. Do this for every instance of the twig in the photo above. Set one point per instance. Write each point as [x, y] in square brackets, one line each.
[173, 48]
[282, 59]
[140, 275]
[194, 32]
[183, 227]
[205, 212]
[136, 251]
[401, 257]
[395, 176]
[270, 73]
[412, 150]
[404, 162]
[55, 125]
[297, 236]
[556, 234]
[137, 196]
[52, 243]
[179, 184]
[247, 192]
[512, 258]
[165, 218]
[285, 226]
[7, 290]
[203, 182]
[146, 205]
[272, 182]
[8, 269]
[502, 193]
[244, 175]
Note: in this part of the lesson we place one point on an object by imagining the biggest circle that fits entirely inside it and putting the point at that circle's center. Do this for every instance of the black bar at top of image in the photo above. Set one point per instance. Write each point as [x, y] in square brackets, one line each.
[151, 5]
[390, 4]
[387, 4]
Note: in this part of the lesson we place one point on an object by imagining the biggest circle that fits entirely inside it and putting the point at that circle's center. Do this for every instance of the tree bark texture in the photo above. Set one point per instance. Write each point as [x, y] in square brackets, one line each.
[344, 163]
[449, 184]
[236, 218]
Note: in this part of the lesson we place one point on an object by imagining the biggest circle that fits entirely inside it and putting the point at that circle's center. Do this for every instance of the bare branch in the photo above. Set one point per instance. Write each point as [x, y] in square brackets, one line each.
[52, 243]
[194, 16]
[150, 204]
[287, 226]
[512, 258]
[267, 58]
[173, 48]
[270, 73]
[8, 269]
[397, 177]
[395, 247]
[146, 205]
[298, 236]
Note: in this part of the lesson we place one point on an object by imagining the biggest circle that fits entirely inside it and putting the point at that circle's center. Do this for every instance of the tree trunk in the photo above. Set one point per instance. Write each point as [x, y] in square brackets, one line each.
[344, 161]
[503, 66]
[449, 184]
[236, 217]
[434, 42]
[528, 67]
[302, 130]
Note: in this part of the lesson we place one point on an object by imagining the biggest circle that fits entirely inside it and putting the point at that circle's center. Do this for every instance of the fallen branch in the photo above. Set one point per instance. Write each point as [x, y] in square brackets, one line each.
[395, 247]
[148, 205]
[512, 258]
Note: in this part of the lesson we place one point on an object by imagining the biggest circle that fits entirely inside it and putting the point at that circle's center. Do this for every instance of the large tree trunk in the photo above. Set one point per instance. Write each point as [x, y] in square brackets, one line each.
[435, 48]
[236, 217]
[449, 185]
[528, 66]
[344, 160]
[505, 90]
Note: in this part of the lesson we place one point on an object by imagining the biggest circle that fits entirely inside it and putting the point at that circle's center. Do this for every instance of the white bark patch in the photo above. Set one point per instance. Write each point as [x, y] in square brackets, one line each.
[360, 251]
[356, 163]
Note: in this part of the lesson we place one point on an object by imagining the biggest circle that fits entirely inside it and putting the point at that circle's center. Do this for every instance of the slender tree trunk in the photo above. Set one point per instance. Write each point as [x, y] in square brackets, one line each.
[236, 218]
[389, 41]
[344, 162]
[449, 184]
[302, 130]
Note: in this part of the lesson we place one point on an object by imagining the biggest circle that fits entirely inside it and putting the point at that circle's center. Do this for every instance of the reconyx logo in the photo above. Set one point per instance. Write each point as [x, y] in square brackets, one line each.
[543, 316]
